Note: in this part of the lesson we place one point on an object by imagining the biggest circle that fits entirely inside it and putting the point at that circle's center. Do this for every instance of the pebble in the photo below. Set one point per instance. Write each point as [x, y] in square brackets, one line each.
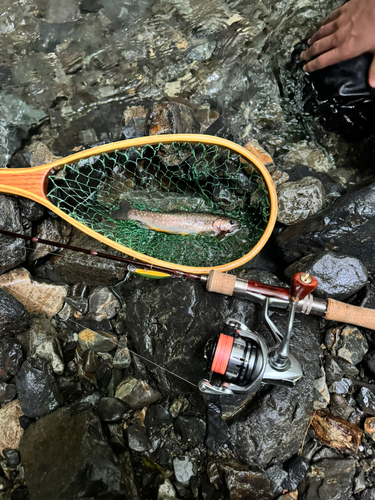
[13, 316]
[191, 429]
[12, 457]
[348, 343]
[340, 387]
[103, 304]
[7, 392]
[122, 358]
[98, 341]
[10, 428]
[136, 393]
[166, 491]
[43, 343]
[104, 372]
[297, 470]
[340, 407]
[11, 357]
[157, 415]
[137, 438]
[366, 401]
[90, 361]
[178, 406]
[183, 470]
[111, 409]
[277, 477]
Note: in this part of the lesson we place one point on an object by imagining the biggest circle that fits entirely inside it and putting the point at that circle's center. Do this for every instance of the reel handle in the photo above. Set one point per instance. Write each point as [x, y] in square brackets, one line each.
[302, 284]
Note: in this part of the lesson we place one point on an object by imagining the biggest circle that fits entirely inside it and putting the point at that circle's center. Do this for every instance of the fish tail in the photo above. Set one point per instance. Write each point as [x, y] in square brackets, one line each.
[122, 212]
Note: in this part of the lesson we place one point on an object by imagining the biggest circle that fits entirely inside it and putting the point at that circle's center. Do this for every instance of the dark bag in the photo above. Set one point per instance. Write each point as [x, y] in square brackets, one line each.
[346, 79]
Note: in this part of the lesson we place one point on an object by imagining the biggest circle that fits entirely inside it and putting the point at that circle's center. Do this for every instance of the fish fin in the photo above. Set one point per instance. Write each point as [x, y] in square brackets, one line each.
[122, 212]
[222, 235]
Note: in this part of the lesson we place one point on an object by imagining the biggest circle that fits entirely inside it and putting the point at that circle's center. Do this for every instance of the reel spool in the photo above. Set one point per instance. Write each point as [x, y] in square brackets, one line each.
[239, 361]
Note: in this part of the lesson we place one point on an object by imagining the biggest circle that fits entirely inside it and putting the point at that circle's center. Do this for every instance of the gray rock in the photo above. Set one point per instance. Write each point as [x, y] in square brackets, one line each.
[7, 392]
[368, 494]
[347, 343]
[329, 479]
[277, 476]
[178, 405]
[297, 470]
[157, 415]
[360, 482]
[218, 432]
[110, 409]
[96, 340]
[183, 470]
[299, 199]
[166, 491]
[11, 358]
[52, 230]
[12, 457]
[136, 393]
[93, 271]
[122, 358]
[30, 209]
[37, 389]
[345, 227]
[191, 429]
[137, 438]
[43, 343]
[340, 407]
[103, 304]
[171, 118]
[274, 427]
[87, 465]
[13, 316]
[366, 401]
[333, 370]
[12, 250]
[339, 276]
[340, 387]
[89, 361]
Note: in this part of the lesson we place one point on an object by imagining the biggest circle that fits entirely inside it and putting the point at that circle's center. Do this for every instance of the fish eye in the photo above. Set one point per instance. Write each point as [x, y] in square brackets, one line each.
[231, 222]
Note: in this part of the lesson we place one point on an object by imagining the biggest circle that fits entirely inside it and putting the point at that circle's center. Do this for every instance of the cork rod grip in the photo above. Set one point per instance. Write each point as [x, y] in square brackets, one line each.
[345, 313]
[221, 283]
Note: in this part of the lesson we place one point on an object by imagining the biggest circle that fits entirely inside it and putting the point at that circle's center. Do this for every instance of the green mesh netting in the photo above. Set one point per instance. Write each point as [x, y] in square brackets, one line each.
[163, 178]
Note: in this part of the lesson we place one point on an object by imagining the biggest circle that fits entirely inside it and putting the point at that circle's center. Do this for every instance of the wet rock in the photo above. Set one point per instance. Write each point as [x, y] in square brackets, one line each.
[87, 467]
[329, 479]
[122, 358]
[277, 476]
[347, 343]
[254, 147]
[136, 393]
[341, 387]
[41, 155]
[322, 397]
[10, 429]
[334, 372]
[299, 199]
[103, 304]
[37, 297]
[12, 457]
[93, 271]
[183, 470]
[37, 389]
[171, 322]
[191, 429]
[7, 392]
[332, 186]
[172, 118]
[359, 482]
[278, 417]
[12, 250]
[52, 230]
[166, 491]
[104, 372]
[135, 122]
[178, 405]
[89, 361]
[241, 480]
[340, 407]
[157, 415]
[98, 341]
[345, 227]
[369, 427]
[30, 209]
[43, 342]
[339, 276]
[335, 432]
[366, 401]
[137, 438]
[307, 154]
[13, 316]
[11, 357]
[110, 409]
[218, 433]
[297, 470]
[368, 494]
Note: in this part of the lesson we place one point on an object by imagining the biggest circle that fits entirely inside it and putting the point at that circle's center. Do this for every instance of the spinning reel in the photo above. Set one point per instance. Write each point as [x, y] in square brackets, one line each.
[240, 360]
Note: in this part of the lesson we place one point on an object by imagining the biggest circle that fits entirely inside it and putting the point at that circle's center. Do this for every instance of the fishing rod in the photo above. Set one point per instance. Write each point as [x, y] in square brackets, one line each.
[239, 359]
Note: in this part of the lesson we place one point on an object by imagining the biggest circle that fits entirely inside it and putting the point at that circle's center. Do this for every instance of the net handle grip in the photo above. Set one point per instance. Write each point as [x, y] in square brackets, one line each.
[353, 315]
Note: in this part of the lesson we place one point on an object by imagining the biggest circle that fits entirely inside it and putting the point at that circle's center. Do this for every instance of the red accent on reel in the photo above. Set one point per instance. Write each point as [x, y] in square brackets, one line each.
[222, 354]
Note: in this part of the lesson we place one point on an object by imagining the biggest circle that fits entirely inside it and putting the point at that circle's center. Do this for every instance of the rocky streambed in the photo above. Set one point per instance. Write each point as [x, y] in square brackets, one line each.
[91, 407]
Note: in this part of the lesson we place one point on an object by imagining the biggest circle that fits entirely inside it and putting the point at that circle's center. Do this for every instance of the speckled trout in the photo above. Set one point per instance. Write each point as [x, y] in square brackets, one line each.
[178, 222]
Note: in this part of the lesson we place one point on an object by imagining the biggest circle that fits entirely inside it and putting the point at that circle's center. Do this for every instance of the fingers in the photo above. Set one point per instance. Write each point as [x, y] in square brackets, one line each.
[327, 59]
[371, 73]
[333, 16]
[319, 47]
[325, 30]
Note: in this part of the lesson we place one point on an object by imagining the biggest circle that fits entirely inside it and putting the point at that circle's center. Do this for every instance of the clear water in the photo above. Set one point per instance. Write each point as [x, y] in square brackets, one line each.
[72, 67]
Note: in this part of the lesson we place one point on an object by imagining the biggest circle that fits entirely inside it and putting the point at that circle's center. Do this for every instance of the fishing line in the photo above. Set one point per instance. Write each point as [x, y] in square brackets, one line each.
[117, 344]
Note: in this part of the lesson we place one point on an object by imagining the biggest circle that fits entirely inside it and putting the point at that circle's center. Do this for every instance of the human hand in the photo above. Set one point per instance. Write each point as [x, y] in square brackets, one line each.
[348, 32]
